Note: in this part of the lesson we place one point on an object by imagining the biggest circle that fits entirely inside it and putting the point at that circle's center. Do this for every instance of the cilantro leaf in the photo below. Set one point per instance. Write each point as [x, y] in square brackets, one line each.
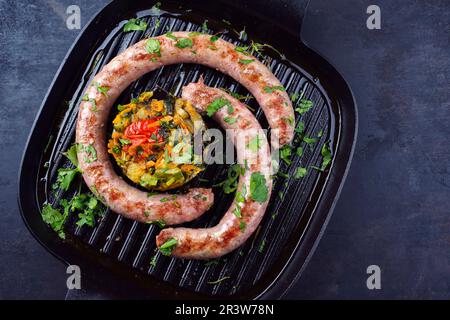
[71, 154]
[285, 154]
[135, 25]
[300, 173]
[54, 219]
[305, 106]
[153, 46]
[258, 188]
[184, 43]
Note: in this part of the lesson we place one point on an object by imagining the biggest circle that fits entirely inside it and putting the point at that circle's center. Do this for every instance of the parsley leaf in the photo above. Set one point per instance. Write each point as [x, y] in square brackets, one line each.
[103, 90]
[258, 187]
[135, 25]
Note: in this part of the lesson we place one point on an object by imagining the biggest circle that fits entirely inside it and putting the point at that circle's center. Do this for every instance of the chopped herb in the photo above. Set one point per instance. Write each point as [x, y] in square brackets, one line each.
[103, 90]
[237, 212]
[171, 36]
[71, 154]
[305, 106]
[269, 89]
[91, 153]
[294, 97]
[153, 46]
[164, 199]
[229, 120]
[184, 43]
[300, 173]
[258, 187]
[94, 105]
[246, 61]
[54, 219]
[167, 247]
[309, 140]
[194, 33]
[230, 109]
[299, 151]
[230, 184]
[285, 154]
[121, 107]
[262, 245]
[214, 106]
[320, 134]
[65, 177]
[326, 156]
[300, 127]
[88, 206]
[214, 38]
[242, 49]
[135, 25]
[242, 225]
[160, 223]
[289, 121]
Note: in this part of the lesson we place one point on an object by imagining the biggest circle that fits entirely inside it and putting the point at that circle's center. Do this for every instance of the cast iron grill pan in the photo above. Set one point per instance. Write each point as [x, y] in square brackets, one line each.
[250, 269]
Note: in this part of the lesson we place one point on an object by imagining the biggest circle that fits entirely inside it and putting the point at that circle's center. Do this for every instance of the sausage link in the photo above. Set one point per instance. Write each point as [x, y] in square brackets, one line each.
[141, 58]
[245, 213]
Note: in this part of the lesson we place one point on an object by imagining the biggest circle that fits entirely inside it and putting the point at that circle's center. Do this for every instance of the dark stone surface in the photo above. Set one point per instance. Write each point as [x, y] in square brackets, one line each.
[394, 208]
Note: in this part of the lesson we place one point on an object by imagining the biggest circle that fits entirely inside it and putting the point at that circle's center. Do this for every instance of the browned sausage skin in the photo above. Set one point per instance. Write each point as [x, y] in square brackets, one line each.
[143, 57]
[236, 226]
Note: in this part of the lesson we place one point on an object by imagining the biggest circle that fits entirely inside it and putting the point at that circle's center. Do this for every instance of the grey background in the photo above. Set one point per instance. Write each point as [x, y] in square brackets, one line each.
[394, 208]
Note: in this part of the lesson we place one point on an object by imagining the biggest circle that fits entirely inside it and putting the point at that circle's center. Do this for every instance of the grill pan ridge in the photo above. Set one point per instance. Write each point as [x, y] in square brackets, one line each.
[298, 209]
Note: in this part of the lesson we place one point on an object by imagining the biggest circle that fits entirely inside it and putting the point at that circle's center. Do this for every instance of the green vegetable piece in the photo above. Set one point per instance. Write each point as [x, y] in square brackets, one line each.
[258, 187]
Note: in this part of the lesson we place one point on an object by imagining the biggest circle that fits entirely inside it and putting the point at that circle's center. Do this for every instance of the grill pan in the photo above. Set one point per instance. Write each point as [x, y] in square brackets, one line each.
[118, 251]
